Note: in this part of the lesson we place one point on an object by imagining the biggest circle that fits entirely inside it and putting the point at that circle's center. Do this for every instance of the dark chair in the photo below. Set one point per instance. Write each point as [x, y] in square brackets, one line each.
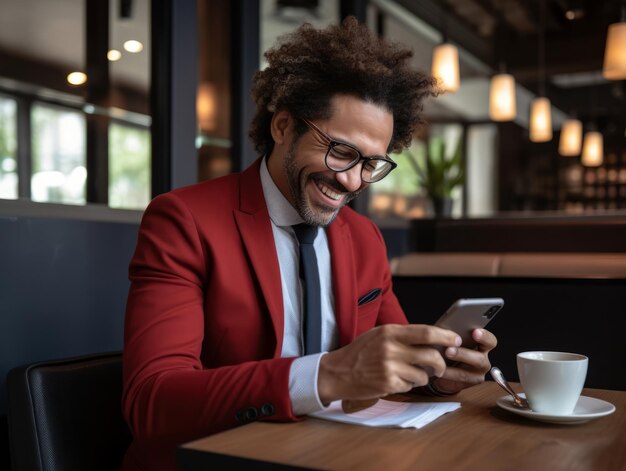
[65, 415]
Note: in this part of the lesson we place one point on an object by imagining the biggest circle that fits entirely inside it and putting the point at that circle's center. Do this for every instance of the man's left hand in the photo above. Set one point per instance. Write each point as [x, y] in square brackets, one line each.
[473, 364]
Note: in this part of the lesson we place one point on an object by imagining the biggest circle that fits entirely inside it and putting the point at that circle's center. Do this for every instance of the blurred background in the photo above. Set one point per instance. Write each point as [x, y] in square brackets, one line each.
[81, 83]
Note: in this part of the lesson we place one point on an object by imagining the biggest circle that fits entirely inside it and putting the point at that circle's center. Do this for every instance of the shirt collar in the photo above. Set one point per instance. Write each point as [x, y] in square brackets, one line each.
[281, 212]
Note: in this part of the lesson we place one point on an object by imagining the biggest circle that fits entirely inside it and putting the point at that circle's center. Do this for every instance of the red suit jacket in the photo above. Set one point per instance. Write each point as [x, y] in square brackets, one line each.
[204, 318]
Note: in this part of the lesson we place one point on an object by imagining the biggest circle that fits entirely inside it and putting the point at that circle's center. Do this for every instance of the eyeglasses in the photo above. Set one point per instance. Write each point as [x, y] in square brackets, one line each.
[341, 156]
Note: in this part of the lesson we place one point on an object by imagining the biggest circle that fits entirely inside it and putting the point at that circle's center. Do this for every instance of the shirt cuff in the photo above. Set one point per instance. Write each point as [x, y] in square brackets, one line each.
[303, 384]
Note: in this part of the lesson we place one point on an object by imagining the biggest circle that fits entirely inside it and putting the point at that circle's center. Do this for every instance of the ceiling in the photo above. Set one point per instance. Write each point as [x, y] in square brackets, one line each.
[54, 32]
[490, 34]
[510, 35]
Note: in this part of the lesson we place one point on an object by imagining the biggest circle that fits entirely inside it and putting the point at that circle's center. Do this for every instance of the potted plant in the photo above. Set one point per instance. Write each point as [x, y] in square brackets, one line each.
[438, 173]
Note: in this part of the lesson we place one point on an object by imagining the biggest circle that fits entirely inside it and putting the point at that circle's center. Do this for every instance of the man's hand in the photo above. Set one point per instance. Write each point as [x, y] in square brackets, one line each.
[385, 360]
[473, 364]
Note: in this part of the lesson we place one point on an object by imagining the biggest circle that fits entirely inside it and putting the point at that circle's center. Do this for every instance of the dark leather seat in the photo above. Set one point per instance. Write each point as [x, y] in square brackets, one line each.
[65, 415]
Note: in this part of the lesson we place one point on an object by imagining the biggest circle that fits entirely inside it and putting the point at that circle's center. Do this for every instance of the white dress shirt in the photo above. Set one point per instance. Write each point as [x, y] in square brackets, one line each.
[304, 370]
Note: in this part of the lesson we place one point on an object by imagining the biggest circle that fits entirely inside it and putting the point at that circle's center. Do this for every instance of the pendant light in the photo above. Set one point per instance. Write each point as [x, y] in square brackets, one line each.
[571, 138]
[502, 102]
[502, 99]
[445, 65]
[593, 149]
[614, 67]
[541, 109]
[540, 120]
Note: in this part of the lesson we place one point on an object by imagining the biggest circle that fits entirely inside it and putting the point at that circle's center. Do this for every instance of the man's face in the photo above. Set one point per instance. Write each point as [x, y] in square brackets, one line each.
[317, 192]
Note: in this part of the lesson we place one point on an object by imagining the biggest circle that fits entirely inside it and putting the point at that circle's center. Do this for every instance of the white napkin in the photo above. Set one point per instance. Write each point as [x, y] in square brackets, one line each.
[390, 413]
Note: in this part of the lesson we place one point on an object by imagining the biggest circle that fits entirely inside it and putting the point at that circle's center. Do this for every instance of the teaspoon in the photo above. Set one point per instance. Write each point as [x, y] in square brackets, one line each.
[499, 378]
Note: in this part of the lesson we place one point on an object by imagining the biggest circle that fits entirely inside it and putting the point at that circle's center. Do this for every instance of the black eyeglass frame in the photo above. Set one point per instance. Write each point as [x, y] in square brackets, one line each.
[333, 143]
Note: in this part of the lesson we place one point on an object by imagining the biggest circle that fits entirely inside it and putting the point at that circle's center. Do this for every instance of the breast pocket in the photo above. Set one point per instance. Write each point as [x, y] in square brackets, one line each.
[367, 314]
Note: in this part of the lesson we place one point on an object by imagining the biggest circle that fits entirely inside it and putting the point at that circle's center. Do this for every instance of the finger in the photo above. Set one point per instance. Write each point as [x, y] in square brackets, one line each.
[413, 376]
[462, 375]
[474, 359]
[428, 359]
[422, 334]
[486, 340]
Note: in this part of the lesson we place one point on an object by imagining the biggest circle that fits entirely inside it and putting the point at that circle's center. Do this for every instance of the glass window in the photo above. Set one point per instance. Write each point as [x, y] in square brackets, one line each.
[278, 18]
[431, 167]
[399, 192]
[58, 146]
[8, 141]
[129, 167]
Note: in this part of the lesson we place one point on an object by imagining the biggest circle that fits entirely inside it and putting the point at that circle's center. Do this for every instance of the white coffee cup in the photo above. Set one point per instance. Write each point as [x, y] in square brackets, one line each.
[552, 381]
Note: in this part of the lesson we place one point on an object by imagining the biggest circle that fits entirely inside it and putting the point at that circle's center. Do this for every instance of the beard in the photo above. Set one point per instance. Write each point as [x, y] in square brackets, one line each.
[297, 179]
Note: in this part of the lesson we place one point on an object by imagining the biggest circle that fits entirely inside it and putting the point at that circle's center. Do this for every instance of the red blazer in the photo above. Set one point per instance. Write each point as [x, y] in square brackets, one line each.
[204, 318]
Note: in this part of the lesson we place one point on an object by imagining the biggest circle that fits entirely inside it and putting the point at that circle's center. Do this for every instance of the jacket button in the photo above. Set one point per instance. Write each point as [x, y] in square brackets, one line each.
[267, 409]
[251, 413]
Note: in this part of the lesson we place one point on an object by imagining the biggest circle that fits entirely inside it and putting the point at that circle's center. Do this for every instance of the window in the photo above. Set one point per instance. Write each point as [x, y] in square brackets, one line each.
[399, 192]
[58, 155]
[129, 167]
[8, 145]
[404, 193]
[54, 134]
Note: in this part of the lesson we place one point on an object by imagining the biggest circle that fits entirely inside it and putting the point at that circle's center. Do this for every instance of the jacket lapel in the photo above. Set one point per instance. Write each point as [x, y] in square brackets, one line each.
[344, 279]
[255, 228]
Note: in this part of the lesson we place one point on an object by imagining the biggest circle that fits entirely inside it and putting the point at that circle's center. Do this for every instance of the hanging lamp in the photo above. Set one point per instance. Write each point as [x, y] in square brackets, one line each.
[540, 120]
[502, 102]
[571, 138]
[502, 97]
[445, 67]
[593, 149]
[540, 108]
[614, 67]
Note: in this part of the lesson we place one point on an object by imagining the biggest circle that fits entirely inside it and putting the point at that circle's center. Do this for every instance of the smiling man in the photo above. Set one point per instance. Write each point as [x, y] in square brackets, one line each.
[260, 295]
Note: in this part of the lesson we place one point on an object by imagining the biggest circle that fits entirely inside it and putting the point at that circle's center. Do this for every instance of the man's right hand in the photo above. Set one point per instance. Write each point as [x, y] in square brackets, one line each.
[385, 360]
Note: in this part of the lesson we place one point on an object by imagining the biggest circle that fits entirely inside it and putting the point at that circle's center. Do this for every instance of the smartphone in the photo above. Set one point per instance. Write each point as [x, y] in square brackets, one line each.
[467, 314]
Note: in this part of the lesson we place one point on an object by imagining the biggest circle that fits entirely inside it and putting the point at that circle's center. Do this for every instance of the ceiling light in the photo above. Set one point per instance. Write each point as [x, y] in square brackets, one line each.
[571, 138]
[614, 67]
[114, 55]
[540, 120]
[574, 14]
[76, 78]
[502, 103]
[445, 67]
[540, 107]
[593, 152]
[133, 46]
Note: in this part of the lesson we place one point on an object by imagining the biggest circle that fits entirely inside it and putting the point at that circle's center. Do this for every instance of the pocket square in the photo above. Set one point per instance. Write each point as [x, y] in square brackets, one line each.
[366, 298]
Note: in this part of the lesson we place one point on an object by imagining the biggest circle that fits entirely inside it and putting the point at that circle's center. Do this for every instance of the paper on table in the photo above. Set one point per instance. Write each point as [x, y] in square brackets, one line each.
[390, 413]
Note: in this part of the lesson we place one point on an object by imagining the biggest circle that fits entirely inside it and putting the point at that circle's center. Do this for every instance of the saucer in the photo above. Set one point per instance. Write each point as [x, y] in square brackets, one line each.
[587, 408]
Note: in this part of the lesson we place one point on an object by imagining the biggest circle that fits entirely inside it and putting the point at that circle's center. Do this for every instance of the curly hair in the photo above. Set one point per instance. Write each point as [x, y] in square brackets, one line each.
[308, 67]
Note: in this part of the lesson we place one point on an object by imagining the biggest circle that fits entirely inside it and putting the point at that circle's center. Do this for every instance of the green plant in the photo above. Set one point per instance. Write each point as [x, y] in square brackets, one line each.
[438, 173]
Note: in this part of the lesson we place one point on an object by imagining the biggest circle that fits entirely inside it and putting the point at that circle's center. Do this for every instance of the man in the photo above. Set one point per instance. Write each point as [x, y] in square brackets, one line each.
[214, 325]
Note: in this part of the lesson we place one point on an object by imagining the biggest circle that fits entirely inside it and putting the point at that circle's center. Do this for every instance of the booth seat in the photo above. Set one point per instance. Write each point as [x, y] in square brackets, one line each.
[511, 264]
[552, 301]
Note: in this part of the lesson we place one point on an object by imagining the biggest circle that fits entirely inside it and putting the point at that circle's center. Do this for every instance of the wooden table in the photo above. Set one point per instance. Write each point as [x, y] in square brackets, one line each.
[478, 436]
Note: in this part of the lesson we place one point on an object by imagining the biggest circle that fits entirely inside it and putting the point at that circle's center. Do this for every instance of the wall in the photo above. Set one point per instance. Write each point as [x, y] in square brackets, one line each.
[582, 315]
[63, 287]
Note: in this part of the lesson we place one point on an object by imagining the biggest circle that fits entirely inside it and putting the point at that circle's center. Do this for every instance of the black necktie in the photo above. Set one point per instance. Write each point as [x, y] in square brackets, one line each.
[312, 295]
